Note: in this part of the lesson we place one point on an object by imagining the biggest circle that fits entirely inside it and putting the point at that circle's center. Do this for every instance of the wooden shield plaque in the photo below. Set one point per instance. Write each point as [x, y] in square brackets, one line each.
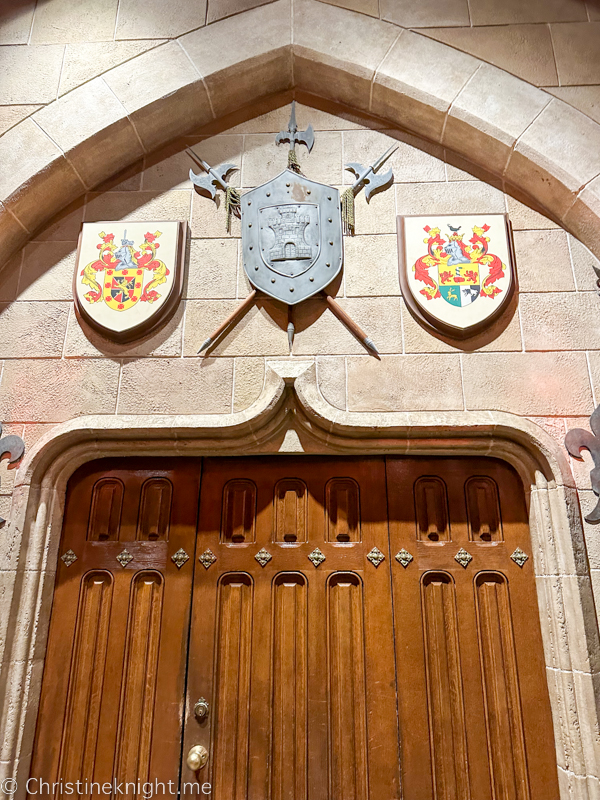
[129, 276]
[456, 271]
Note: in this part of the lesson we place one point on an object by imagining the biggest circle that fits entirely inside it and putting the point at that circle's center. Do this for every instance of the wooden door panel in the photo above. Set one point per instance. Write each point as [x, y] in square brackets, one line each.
[322, 696]
[474, 709]
[121, 629]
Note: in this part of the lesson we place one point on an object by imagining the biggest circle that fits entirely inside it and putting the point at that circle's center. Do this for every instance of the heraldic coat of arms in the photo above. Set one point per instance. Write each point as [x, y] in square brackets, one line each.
[456, 272]
[292, 229]
[129, 275]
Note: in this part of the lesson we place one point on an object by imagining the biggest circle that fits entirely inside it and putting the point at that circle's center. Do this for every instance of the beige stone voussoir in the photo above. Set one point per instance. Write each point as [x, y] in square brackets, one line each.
[12, 234]
[162, 92]
[30, 74]
[489, 115]
[370, 7]
[92, 128]
[149, 19]
[528, 384]
[583, 218]
[336, 52]
[240, 63]
[219, 9]
[417, 82]
[47, 271]
[36, 180]
[557, 155]
[425, 13]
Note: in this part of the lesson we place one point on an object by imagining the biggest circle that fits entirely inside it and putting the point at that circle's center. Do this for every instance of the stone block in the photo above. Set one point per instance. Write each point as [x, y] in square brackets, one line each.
[417, 81]
[162, 92]
[459, 168]
[331, 379]
[404, 383]
[209, 220]
[30, 74]
[139, 206]
[584, 263]
[413, 162]
[12, 234]
[263, 160]
[277, 119]
[85, 124]
[371, 265]
[339, 66]
[523, 217]
[32, 330]
[220, 149]
[577, 50]
[219, 9]
[86, 60]
[235, 68]
[47, 271]
[127, 180]
[8, 472]
[53, 390]
[151, 19]
[490, 114]
[212, 271]
[36, 179]
[523, 50]
[560, 321]
[12, 115]
[9, 278]
[249, 376]
[377, 216]
[319, 332]
[261, 332]
[488, 12]
[585, 98]
[528, 384]
[503, 335]
[594, 361]
[16, 21]
[541, 164]
[459, 197]
[83, 341]
[543, 261]
[64, 226]
[62, 21]
[582, 218]
[425, 14]
[176, 386]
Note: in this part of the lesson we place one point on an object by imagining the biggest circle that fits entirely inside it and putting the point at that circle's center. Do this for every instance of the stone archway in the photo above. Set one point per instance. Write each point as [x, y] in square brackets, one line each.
[291, 416]
[535, 143]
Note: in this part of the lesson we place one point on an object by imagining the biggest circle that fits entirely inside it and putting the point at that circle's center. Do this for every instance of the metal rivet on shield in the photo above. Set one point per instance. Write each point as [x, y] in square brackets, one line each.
[272, 280]
[287, 184]
[328, 264]
[329, 220]
[256, 268]
[250, 248]
[311, 280]
[291, 288]
[268, 194]
[329, 197]
[249, 224]
[330, 242]
[308, 191]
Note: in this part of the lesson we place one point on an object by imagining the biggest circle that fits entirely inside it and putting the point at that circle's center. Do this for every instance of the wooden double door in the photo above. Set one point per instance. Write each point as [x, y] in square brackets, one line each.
[327, 629]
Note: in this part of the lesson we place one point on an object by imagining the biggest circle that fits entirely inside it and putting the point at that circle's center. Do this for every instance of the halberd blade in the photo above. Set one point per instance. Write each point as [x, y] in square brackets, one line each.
[355, 167]
[204, 184]
[377, 183]
[306, 137]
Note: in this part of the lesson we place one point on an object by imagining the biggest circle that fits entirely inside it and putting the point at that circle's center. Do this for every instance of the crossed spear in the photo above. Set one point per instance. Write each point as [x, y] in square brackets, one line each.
[366, 178]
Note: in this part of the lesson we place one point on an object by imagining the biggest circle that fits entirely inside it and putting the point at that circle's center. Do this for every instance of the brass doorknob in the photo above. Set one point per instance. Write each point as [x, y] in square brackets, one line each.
[197, 757]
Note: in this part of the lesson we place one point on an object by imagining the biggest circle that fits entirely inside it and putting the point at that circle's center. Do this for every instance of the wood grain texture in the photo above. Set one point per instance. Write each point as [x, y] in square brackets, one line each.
[342, 504]
[239, 512]
[290, 505]
[504, 716]
[105, 512]
[445, 699]
[431, 503]
[483, 510]
[155, 510]
[289, 741]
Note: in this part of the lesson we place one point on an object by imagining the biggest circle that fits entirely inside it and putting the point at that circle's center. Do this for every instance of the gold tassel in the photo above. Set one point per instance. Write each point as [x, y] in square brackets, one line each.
[232, 205]
[293, 162]
[348, 211]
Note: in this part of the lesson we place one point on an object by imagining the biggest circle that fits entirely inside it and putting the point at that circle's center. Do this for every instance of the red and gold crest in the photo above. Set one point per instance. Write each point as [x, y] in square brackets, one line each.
[134, 278]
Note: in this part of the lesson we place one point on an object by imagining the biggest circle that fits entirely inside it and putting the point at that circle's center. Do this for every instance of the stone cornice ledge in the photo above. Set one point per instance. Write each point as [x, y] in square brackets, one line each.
[291, 401]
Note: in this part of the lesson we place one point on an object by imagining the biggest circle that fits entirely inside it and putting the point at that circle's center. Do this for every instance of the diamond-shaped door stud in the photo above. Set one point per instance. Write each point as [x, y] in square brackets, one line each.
[263, 557]
[207, 558]
[317, 557]
[519, 557]
[375, 556]
[180, 557]
[124, 558]
[404, 557]
[463, 557]
[68, 558]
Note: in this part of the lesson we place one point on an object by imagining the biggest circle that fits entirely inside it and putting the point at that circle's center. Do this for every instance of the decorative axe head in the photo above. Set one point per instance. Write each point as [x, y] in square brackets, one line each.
[216, 177]
[367, 176]
[294, 136]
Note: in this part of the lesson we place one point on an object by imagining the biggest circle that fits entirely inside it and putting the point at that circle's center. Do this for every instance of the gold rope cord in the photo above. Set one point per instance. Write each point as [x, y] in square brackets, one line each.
[232, 205]
[293, 162]
[348, 211]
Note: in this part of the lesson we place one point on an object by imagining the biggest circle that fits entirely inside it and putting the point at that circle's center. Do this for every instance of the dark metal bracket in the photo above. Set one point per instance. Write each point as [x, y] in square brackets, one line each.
[12, 447]
[579, 439]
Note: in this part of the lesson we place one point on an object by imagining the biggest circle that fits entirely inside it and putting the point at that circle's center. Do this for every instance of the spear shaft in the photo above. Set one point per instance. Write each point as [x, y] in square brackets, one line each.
[233, 317]
[354, 329]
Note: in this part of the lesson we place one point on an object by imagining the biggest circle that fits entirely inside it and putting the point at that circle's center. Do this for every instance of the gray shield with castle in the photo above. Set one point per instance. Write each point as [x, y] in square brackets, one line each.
[291, 237]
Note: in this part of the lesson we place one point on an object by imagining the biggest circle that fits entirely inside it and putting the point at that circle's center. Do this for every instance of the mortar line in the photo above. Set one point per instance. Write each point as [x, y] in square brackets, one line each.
[64, 347]
[462, 381]
[346, 381]
[454, 99]
[514, 145]
[200, 75]
[135, 130]
[378, 67]
[32, 23]
[554, 52]
[60, 74]
[117, 20]
[118, 399]
[571, 260]
[589, 367]
[233, 372]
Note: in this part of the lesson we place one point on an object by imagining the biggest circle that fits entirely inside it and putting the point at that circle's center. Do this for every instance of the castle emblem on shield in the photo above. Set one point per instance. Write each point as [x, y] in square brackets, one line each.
[128, 275]
[456, 272]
